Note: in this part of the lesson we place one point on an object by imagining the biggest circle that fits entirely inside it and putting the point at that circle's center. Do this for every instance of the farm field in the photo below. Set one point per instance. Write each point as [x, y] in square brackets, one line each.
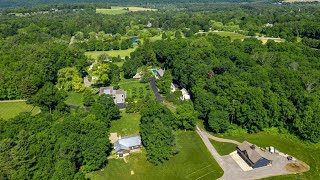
[290, 145]
[112, 53]
[192, 162]
[115, 10]
[265, 40]
[127, 125]
[223, 148]
[11, 109]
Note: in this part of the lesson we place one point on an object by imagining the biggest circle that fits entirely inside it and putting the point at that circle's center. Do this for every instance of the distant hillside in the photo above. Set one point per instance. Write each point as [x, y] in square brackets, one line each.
[16, 3]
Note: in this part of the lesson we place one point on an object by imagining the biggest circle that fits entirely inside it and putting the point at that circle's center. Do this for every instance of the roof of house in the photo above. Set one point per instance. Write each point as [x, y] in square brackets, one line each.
[160, 72]
[127, 142]
[184, 91]
[110, 90]
[254, 152]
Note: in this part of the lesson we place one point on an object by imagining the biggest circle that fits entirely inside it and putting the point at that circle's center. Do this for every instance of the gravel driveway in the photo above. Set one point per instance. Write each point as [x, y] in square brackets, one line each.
[232, 170]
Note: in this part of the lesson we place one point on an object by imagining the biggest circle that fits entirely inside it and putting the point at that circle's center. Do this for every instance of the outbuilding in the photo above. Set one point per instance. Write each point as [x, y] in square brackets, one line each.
[253, 155]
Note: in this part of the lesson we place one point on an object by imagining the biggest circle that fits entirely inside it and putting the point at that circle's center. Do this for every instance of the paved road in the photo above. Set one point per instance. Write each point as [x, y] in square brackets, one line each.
[155, 90]
[232, 170]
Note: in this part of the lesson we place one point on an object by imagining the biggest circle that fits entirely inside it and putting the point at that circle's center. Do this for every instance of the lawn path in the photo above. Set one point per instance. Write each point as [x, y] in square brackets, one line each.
[222, 139]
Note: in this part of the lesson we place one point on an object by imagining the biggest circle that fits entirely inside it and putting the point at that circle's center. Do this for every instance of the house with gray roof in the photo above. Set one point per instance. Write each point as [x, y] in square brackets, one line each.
[160, 73]
[119, 96]
[126, 145]
[253, 155]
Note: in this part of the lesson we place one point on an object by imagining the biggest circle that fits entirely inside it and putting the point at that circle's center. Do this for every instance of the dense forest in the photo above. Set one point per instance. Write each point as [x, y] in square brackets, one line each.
[234, 84]
[54, 30]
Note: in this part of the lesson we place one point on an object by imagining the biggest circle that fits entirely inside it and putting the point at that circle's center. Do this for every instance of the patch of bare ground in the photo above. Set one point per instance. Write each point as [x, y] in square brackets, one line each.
[297, 167]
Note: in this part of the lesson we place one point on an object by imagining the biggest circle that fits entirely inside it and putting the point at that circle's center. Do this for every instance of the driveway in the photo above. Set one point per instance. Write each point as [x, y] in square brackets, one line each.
[155, 90]
[233, 171]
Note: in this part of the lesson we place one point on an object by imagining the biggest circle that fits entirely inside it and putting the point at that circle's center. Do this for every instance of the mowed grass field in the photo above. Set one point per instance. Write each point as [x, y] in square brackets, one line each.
[127, 125]
[115, 10]
[232, 35]
[288, 144]
[74, 99]
[11, 109]
[134, 87]
[112, 53]
[192, 162]
[223, 148]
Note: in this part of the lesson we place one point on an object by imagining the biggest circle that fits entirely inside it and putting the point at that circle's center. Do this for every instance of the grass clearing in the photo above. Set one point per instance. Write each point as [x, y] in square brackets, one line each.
[11, 109]
[192, 162]
[127, 125]
[265, 40]
[308, 153]
[223, 148]
[115, 10]
[135, 89]
[232, 35]
[74, 99]
[119, 64]
[112, 53]
[112, 11]
[155, 38]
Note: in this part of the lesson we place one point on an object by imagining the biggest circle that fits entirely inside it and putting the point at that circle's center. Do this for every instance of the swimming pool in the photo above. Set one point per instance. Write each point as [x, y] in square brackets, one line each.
[154, 71]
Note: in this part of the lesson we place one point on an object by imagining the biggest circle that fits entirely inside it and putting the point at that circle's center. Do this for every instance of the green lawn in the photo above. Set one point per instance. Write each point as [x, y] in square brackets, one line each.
[223, 148]
[192, 162]
[115, 10]
[119, 64]
[155, 38]
[232, 35]
[112, 53]
[11, 109]
[133, 88]
[308, 153]
[74, 99]
[127, 125]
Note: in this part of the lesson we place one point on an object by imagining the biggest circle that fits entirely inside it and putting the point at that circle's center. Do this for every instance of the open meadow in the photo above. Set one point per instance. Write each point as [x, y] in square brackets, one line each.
[115, 10]
[233, 36]
[11, 109]
[112, 53]
[192, 162]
